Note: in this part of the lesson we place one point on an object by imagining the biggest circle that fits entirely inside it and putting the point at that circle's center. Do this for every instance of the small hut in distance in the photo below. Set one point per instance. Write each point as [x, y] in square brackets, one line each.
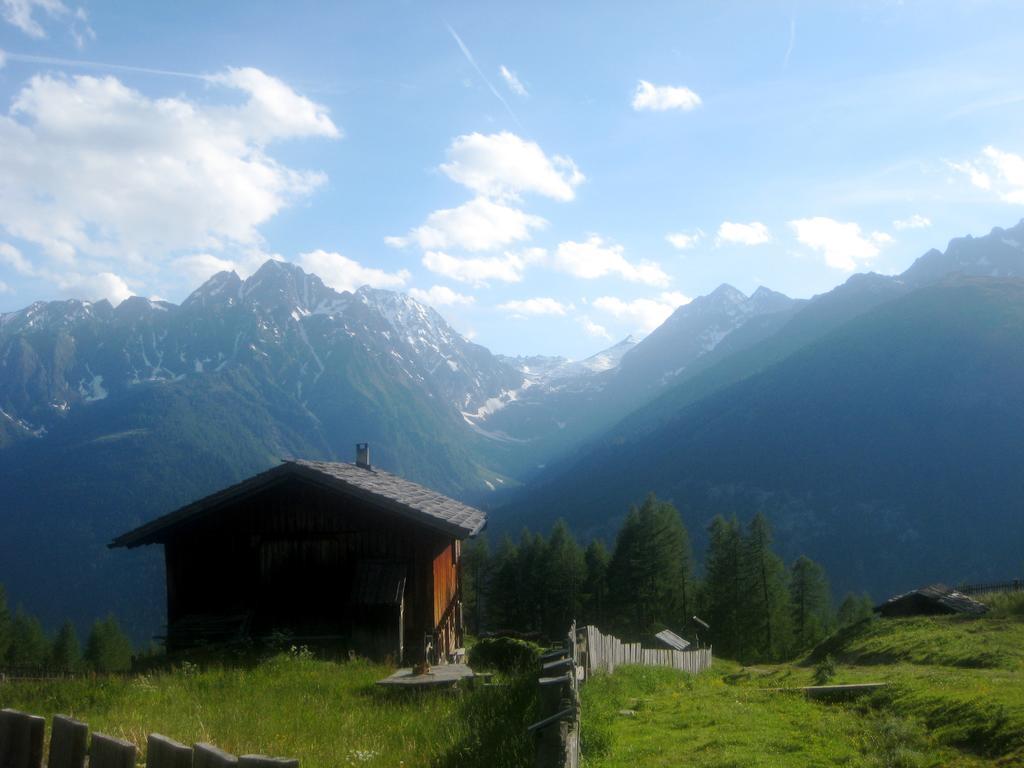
[343, 554]
[935, 599]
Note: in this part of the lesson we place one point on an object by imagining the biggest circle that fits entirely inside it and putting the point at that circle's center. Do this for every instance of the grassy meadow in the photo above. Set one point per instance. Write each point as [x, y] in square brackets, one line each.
[327, 714]
[956, 698]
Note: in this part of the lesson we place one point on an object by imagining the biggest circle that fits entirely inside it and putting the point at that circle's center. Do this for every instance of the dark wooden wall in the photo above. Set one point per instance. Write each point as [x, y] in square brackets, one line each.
[286, 558]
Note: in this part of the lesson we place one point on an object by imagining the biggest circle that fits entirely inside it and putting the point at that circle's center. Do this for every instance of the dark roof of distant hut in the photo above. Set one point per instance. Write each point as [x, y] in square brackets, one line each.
[382, 489]
[935, 598]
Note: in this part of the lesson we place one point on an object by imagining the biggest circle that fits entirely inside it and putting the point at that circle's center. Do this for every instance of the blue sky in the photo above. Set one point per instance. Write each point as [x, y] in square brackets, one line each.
[549, 176]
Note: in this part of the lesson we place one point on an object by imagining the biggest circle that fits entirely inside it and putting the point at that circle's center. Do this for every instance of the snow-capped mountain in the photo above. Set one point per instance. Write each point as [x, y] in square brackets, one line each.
[694, 330]
[557, 372]
[281, 322]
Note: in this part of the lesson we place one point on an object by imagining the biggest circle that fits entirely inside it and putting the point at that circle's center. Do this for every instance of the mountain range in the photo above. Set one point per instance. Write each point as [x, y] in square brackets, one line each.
[885, 412]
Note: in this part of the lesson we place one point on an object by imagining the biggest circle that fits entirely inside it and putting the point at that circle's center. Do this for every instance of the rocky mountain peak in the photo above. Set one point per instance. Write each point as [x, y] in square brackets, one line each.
[998, 254]
[221, 289]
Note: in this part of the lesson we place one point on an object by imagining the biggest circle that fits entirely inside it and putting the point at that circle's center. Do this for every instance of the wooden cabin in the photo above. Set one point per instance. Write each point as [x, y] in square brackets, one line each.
[342, 554]
[933, 600]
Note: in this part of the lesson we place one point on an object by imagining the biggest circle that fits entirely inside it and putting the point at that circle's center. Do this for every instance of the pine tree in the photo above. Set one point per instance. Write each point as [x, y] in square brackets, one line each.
[66, 654]
[108, 649]
[5, 626]
[530, 574]
[476, 571]
[503, 598]
[650, 570]
[595, 589]
[29, 646]
[723, 586]
[765, 607]
[854, 609]
[811, 607]
[564, 575]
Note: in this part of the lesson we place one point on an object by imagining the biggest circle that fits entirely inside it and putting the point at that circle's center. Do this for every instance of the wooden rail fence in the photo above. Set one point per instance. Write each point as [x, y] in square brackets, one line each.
[1017, 585]
[584, 652]
[603, 653]
[557, 733]
[22, 736]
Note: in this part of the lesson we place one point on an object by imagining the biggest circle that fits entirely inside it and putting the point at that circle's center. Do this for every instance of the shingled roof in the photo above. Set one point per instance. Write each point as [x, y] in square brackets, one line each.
[938, 596]
[383, 489]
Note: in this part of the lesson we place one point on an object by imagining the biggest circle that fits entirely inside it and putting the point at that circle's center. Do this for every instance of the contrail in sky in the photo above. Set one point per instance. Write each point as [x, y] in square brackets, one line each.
[471, 60]
[28, 58]
[792, 41]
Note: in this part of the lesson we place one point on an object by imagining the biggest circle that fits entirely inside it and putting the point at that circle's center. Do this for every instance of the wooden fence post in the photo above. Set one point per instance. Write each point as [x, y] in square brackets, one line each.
[259, 761]
[208, 756]
[108, 752]
[162, 752]
[69, 743]
[21, 739]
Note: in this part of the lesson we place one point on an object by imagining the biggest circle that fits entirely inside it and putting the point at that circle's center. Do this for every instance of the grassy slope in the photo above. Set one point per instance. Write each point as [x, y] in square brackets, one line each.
[956, 699]
[323, 713]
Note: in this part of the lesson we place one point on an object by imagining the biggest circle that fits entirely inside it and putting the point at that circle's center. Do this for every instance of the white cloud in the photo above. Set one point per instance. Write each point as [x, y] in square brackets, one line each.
[663, 97]
[4, 287]
[754, 233]
[440, 296]
[595, 329]
[22, 14]
[917, 221]
[93, 168]
[843, 244]
[1007, 169]
[14, 259]
[273, 110]
[512, 81]
[502, 165]
[978, 178]
[542, 305]
[200, 267]
[683, 241]
[3, 59]
[345, 274]
[595, 258]
[479, 225]
[102, 285]
[996, 170]
[507, 268]
[648, 314]
[93, 286]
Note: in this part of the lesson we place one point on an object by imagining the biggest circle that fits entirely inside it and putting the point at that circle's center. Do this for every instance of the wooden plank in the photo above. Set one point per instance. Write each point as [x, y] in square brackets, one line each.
[208, 756]
[69, 743]
[8, 717]
[260, 761]
[837, 691]
[109, 752]
[21, 739]
[162, 752]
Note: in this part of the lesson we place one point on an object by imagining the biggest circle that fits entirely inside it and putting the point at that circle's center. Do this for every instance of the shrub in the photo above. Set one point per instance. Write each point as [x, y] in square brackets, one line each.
[825, 670]
[504, 654]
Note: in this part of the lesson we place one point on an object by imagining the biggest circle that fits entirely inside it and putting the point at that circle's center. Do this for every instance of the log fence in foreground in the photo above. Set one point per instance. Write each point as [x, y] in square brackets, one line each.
[587, 651]
[22, 737]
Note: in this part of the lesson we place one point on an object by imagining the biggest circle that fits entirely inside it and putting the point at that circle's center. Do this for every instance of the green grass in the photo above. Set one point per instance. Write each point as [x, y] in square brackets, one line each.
[956, 698]
[324, 713]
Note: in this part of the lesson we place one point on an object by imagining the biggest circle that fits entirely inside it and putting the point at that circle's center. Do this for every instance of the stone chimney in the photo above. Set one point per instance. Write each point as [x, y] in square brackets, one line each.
[363, 455]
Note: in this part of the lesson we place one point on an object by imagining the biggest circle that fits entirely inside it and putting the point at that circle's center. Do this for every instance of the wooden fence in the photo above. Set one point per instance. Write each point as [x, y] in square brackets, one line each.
[584, 652]
[557, 733]
[1017, 585]
[603, 653]
[22, 737]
